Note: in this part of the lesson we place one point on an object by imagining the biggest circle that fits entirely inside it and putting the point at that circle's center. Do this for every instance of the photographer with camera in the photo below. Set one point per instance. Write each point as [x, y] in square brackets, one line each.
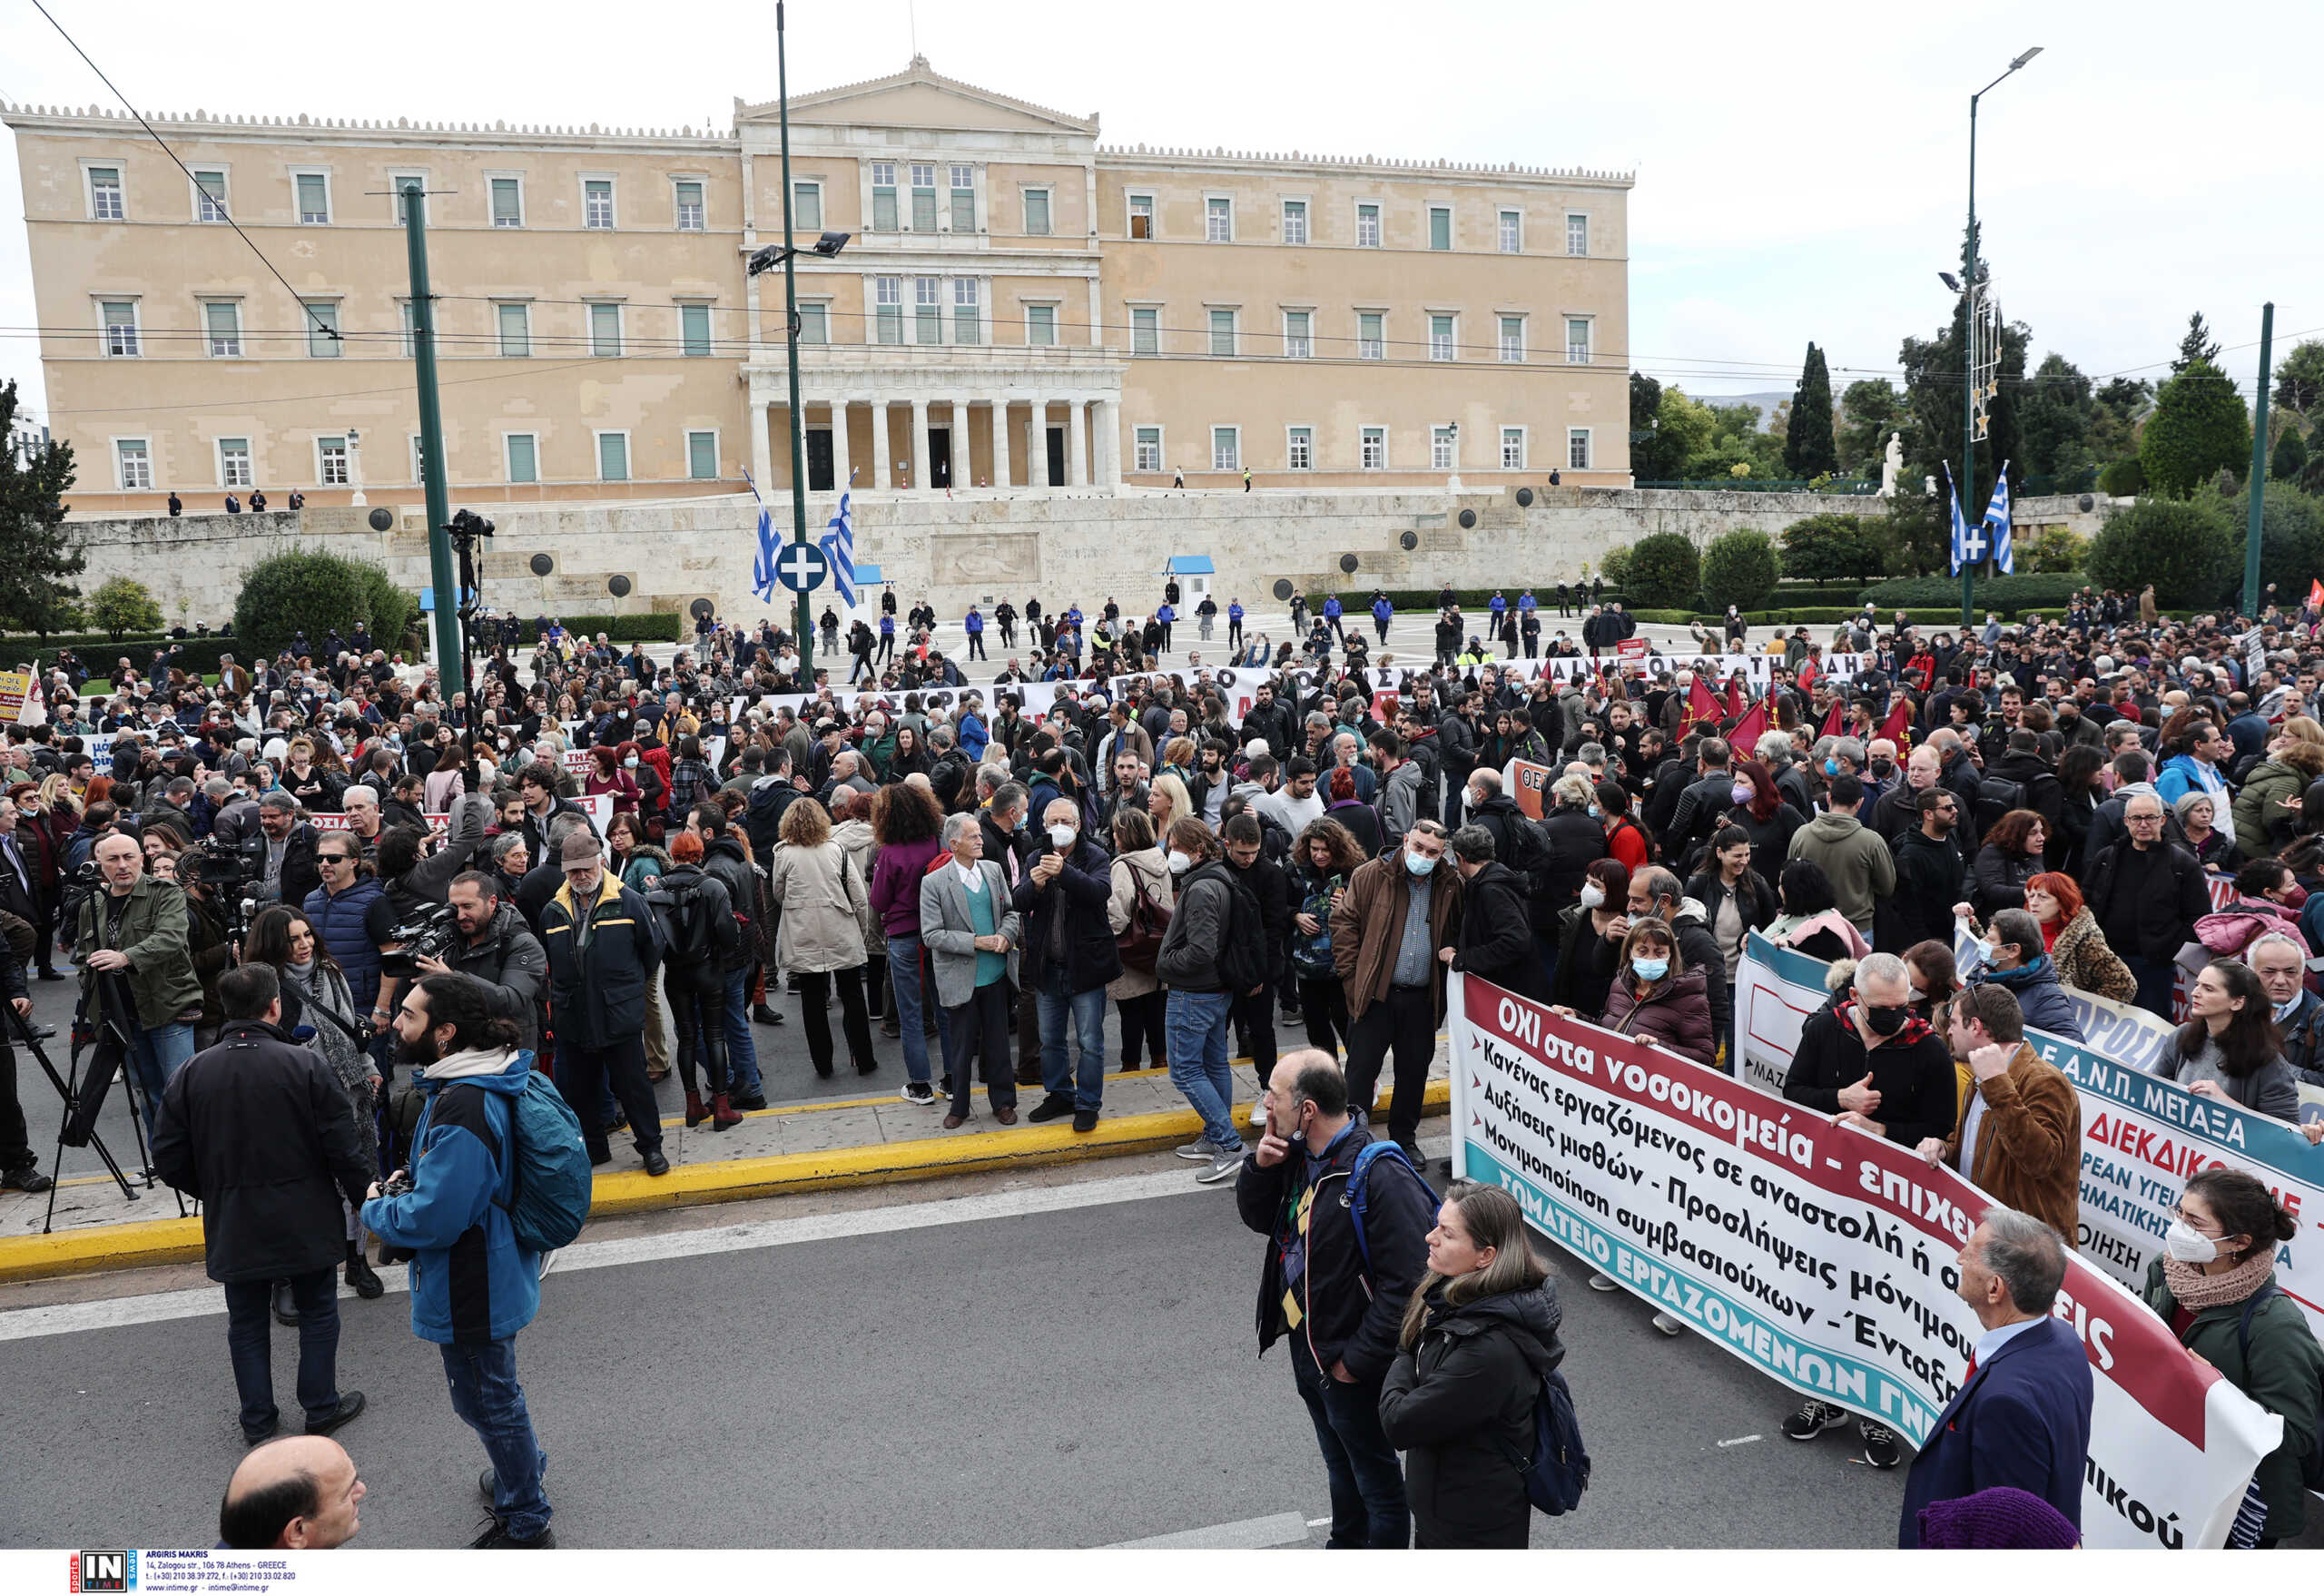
[489, 939]
[136, 964]
[289, 873]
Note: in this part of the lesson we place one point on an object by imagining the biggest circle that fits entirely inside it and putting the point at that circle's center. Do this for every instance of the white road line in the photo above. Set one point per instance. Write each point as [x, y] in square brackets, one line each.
[1282, 1528]
[114, 1313]
[1742, 1440]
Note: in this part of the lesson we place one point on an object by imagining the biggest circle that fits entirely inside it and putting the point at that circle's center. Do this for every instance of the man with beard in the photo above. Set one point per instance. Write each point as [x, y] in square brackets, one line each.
[1929, 873]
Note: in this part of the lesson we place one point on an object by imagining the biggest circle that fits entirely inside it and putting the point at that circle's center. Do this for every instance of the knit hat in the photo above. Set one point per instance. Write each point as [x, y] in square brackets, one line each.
[2001, 1519]
[579, 847]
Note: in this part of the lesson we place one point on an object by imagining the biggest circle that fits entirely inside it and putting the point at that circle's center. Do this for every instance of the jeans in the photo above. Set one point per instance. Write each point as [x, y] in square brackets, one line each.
[1087, 1010]
[2156, 979]
[903, 980]
[1368, 1510]
[157, 1052]
[1403, 1020]
[486, 1395]
[741, 1053]
[582, 1077]
[977, 1034]
[249, 1327]
[1198, 1067]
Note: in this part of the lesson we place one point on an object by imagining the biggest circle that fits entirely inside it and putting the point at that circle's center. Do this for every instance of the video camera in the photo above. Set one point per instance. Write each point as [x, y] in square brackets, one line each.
[232, 869]
[431, 936]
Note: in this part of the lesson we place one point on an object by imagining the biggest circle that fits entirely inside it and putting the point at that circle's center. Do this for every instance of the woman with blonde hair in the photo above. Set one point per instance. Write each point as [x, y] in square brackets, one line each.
[1167, 800]
[826, 928]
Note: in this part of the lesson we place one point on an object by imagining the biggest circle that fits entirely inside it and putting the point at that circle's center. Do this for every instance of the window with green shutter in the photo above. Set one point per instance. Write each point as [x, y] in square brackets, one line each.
[923, 198]
[507, 203]
[701, 455]
[1037, 212]
[1439, 227]
[693, 329]
[223, 320]
[883, 196]
[613, 457]
[964, 199]
[323, 329]
[516, 332]
[814, 324]
[314, 199]
[605, 330]
[807, 206]
[1146, 332]
[524, 461]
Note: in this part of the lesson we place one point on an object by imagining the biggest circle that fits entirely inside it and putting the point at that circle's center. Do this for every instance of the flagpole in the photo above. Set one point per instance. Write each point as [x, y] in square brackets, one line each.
[805, 680]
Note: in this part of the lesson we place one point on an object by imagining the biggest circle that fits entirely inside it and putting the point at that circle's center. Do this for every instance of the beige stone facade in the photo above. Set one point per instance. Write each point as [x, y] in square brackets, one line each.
[1021, 309]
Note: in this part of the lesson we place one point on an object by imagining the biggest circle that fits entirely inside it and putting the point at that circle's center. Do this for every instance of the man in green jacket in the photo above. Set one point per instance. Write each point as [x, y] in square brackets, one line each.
[1861, 869]
[137, 965]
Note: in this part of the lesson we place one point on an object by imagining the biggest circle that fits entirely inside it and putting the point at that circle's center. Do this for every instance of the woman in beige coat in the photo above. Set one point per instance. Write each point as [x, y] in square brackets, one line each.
[1137, 865]
[826, 928]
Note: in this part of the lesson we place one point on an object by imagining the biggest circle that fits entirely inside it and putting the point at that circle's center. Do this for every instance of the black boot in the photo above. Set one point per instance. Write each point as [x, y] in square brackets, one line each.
[360, 1274]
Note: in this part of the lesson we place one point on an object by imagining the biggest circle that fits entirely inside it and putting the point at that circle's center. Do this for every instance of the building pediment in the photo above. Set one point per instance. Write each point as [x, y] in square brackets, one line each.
[921, 97]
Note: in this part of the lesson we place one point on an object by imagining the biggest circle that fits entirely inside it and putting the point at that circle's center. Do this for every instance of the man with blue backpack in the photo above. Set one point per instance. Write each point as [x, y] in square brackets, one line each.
[497, 1178]
[1346, 1220]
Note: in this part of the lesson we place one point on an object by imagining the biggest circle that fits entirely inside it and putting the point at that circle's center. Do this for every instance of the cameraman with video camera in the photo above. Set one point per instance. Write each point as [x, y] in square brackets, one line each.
[131, 938]
[493, 944]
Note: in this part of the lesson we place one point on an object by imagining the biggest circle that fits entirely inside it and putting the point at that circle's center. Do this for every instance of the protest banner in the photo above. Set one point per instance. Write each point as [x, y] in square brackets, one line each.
[1818, 1255]
[2142, 1135]
[15, 686]
[335, 820]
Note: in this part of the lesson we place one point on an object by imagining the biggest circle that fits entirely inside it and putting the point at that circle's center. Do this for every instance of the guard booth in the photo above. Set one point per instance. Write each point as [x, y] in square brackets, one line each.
[1193, 573]
[867, 579]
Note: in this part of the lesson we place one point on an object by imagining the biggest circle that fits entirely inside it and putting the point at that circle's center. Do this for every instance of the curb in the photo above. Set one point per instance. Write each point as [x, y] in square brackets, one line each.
[144, 1243]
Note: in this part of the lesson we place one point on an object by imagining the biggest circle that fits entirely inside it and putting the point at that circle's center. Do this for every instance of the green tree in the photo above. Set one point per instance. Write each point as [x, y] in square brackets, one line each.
[1651, 460]
[1664, 572]
[1738, 568]
[1809, 448]
[2119, 408]
[1682, 428]
[2198, 345]
[1918, 535]
[1735, 440]
[2291, 539]
[2058, 548]
[2290, 458]
[2300, 380]
[2123, 479]
[2199, 428]
[307, 590]
[2184, 547]
[1869, 411]
[124, 605]
[40, 558]
[1828, 546]
[2053, 418]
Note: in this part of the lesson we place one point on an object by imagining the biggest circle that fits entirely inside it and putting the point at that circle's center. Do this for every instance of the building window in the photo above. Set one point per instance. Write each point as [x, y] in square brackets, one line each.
[888, 294]
[964, 199]
[928, 309]
[398, 182]
[209, 194]
[1148, 449]
[923, 197]
[323, 329]
[508, 204]
[1367, 227]
[330, 462]
[223, 320]
[597, 202]
[1222, 332]
[1577, 340]
[515, 330]
[419, 461]
[701, 455]
[1371, 338]
[807, 207]
[1036, 213]
[1299, 452]
[314, 198]
[688, 193]
[411, 326]
[1512, 448]
[883, 196]
[1513, 232]
[1298, 338]
[604, 332]
[966, 326]
[136, 462]
[1440, 338]
[1439, 227]
[1218, 221]
[524, 458]
[1443, 448]
[233, 462]
[1577, 236]
[814, 324]
[104, 194]
[1141, 216]
[1295, 222]
[1145, 330]
[1512, 339]
[1372, 448]
[1040, 325]
[1577, 448]
[121, 326]
[1225, 448]
[613, 457]
[693, 330]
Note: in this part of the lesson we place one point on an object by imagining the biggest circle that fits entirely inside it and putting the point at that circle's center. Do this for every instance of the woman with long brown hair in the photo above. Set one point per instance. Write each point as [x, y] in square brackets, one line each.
[1325, 856]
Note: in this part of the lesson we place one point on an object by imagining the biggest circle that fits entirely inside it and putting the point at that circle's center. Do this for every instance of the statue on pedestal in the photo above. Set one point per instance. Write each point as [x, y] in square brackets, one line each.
[1891, 462]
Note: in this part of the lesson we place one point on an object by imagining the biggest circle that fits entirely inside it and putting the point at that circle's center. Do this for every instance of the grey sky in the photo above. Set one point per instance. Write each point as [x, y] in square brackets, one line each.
[1801, 167]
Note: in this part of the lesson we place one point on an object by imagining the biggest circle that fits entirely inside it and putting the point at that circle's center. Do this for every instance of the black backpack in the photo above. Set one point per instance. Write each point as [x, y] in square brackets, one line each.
[1242, 960]
[1996, 797]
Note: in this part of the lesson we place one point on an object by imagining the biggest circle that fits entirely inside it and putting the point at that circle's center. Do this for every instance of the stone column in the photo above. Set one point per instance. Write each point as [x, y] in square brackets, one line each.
[1107, 415]
[963, 454]
[918, 446]
[1000, 440]
[762, 449]
[1077, 455]
[1036, 443]
[881, 457]
[839, 445]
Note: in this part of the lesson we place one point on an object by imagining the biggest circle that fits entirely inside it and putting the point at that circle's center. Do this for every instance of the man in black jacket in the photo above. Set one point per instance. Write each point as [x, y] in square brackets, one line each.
[603, 949]
[1337, 1303]
[261, 1132]
[1253, 1013]
[2146, 894]
[1069, 956]
[1705, 801]
[495, 946]
[1930, 872]
[1496, 939]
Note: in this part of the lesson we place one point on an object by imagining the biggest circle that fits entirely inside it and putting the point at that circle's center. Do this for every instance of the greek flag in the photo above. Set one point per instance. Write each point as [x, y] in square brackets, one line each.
[762, 569]
[1962, 551]
[1997, 524]
[839, 547]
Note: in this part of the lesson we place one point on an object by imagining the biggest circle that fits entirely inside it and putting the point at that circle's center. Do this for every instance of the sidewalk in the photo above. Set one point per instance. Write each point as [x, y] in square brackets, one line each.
[792, 1148]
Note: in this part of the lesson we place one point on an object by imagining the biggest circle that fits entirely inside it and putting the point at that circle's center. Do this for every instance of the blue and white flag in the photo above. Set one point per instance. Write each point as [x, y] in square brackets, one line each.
[762, 569]
[1965, 549]
[839, 547]
[1997, 524]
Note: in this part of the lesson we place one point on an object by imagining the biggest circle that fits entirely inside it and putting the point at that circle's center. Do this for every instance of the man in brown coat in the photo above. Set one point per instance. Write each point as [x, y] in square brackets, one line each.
[2019, 1136]
[1399, 915]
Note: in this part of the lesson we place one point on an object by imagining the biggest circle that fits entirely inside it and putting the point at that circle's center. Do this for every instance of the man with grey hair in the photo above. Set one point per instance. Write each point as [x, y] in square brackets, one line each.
[1870, 1062]
[2021, 1418]
[291, 871]
[972, 932]
[2281, 961]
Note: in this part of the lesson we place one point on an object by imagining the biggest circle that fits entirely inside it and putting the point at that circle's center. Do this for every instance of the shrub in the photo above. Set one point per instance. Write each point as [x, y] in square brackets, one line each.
[1738, 568]
[2291, 540]
[2122, 480]
[2200, 428]
[2025, 591]
[1664, 571]
[2290, 458]
[2184, 547]
[124, 605]
[389, 611]
[2057, 549]
[306, 590]
[1830, 545]
[1615, 568]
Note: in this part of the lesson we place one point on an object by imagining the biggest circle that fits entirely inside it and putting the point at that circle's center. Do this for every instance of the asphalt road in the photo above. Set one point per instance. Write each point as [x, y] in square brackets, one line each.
[1065, 1377]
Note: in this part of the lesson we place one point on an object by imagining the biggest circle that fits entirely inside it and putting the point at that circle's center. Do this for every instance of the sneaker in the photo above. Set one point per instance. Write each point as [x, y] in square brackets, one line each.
[1050, 1107]
[1604, 1282]
[498, 1539]
[1813, 1419]
[26, 1177]
[1222, 1168]
[1668, 1326]
[920, 1093]
[1880, 1448]
[748, 1101]
[1258, 1116]
[1084, 1120]
[1198, 1152]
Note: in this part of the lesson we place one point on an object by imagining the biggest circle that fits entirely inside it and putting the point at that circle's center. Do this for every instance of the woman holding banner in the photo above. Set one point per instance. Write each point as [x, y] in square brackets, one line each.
[2228, 1048]
[1656, 996]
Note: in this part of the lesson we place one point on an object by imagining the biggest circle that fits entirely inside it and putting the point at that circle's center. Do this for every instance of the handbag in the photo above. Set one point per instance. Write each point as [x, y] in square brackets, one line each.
[1140, 941]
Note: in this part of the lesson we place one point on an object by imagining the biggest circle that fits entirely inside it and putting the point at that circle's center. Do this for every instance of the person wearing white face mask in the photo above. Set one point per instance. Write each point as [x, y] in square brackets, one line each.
[1398, 914]
[1069, 956]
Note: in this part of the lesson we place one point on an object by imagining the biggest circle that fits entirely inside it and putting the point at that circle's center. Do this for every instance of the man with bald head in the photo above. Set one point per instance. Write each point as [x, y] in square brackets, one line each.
[301, 1494]
[1069, 956]
[137, 964]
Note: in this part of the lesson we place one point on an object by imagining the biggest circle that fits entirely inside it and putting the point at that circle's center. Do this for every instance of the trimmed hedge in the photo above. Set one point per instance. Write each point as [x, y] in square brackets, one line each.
[2033, 590]
[668, 626]
[1423, 600]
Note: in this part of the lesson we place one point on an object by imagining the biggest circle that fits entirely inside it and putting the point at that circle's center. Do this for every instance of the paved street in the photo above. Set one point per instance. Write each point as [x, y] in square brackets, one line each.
[1061, 1357]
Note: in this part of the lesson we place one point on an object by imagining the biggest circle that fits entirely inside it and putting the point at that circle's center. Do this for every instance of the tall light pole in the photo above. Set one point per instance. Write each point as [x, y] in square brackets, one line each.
[1968, 339]
[790, 347]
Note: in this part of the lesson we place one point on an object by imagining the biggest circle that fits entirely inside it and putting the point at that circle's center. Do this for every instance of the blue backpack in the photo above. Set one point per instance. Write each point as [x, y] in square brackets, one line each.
[1359, 1189]
[1560, 1469]
[548, 1168]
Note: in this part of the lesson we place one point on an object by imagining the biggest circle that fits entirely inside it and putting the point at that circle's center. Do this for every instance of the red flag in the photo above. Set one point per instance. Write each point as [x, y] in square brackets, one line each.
[1898, 727]
[1700, 703]
[1835, 724]
[2315, 594]
[1735, 694]
[1750, 729]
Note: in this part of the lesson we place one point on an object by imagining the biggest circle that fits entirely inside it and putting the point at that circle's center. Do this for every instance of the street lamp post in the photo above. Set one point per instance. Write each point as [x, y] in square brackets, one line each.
[1968, 486]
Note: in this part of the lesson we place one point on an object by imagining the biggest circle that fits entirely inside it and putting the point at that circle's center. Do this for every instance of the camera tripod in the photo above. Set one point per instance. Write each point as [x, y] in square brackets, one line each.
[84, 1099]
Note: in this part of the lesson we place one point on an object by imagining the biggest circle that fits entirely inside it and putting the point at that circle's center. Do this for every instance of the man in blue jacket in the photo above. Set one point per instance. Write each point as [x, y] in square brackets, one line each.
[472, 1288]
[2022, 1416]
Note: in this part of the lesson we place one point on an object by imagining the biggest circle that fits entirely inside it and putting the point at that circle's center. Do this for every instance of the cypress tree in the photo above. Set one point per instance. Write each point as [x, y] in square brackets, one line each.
[1808, 448]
